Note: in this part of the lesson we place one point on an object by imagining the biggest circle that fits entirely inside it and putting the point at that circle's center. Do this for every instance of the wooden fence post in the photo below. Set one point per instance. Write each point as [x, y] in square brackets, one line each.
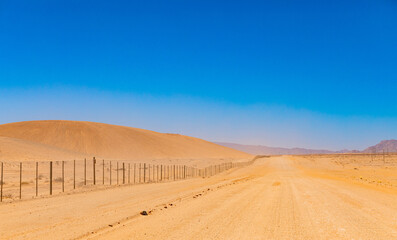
[20, 180]
[37, 179]
[144, 173]
[51, 178]
[63, 176]
[117, 173]
[103, 171]
[93, 170]
[74, 174]
[1, 181]
[149, 173]
[161, 173]
[139, 173]
[85, 171]
[123, 173]
[110, 172]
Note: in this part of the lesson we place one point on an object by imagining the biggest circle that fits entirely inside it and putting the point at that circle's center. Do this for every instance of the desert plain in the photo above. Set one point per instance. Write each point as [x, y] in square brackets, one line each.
[335, 196]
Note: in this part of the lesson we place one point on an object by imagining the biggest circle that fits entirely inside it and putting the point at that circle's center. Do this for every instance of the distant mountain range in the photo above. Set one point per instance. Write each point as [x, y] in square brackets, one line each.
[386, 145]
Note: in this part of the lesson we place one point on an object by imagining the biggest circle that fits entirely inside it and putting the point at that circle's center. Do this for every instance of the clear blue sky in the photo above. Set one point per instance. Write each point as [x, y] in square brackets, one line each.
[319, 74]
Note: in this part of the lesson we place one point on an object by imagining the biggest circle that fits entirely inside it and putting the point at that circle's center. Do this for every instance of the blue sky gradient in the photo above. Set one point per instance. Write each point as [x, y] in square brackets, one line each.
[319, 74]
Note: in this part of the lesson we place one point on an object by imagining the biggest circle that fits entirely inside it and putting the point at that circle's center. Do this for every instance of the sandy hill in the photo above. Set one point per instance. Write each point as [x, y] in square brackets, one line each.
[386, 145]
[45, 140]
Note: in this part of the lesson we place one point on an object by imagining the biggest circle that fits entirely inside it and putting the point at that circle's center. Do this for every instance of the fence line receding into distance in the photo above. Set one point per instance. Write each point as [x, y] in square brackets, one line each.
[33, 179]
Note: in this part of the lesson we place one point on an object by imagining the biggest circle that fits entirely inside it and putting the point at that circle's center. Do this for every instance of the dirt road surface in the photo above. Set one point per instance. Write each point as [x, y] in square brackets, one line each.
[272, 199]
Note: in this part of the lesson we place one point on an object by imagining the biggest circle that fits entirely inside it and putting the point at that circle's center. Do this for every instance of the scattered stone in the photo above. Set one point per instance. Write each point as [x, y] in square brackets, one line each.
[144, 213]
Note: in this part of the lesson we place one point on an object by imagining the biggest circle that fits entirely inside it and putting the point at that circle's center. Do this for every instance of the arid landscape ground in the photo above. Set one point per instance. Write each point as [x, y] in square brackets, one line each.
[335, 196]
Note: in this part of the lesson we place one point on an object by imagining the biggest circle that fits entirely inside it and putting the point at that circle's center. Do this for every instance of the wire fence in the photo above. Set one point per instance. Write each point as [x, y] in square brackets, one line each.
[23, 180]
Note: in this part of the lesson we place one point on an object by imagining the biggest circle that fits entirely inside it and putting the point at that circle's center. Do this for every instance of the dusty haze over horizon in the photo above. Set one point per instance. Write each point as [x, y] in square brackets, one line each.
[213, 120]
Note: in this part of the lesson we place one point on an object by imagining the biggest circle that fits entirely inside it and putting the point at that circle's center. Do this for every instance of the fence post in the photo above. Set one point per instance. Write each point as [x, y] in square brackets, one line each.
[117, 173]
[51, 178]
[37, 178]
[1, 182]
[149, 173]
[103, 171]
[85, 171]
[123, 173]
[93, 169]
[20, 180]
[134, 172]
[110, 172]
[144, 173]
[158, 167]
[139, 173]
[63, 176]
[129, 173]
[74, 174]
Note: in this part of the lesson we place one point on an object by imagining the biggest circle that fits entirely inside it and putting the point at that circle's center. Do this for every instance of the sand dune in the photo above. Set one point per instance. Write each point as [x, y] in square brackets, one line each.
[44, 140]
[13, 149]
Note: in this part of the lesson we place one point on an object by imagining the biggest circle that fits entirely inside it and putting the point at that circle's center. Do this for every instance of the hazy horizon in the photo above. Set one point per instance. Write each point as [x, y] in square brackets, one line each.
[274, 126]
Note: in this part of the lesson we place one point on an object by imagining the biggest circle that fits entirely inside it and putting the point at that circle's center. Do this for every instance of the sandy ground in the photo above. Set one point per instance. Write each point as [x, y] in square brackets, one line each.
[275, 198]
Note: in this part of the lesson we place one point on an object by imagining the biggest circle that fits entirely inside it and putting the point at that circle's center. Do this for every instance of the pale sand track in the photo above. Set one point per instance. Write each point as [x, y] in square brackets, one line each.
[272, 199]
